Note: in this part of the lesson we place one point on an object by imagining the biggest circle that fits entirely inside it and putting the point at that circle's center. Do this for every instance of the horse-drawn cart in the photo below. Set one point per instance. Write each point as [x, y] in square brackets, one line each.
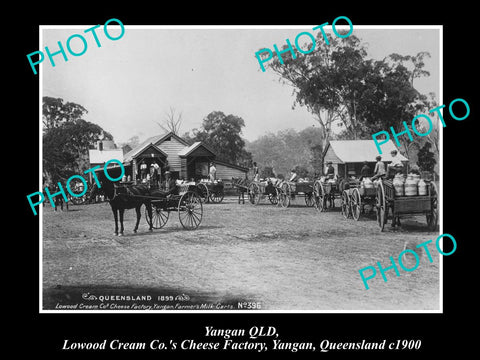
[388, 202]
[210, 191]
[289, 190]
[258, 190]
[356, 197]
[187, 204]
[327, 191]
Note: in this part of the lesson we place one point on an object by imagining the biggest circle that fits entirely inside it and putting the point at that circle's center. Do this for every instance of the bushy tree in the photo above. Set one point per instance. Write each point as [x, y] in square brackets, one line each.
[67, 138]
[340, 86]
[222, 133]
[426, 158]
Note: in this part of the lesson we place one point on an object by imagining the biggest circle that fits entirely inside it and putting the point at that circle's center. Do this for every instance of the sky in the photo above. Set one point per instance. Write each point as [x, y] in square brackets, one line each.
[129, 84]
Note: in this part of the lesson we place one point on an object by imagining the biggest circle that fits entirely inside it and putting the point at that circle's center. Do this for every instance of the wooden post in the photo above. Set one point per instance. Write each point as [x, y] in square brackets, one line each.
[134, 171]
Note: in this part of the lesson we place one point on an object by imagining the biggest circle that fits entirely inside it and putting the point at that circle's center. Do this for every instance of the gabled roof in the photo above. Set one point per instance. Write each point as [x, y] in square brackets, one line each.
[351, 151]
[154, 140]
[190, 149]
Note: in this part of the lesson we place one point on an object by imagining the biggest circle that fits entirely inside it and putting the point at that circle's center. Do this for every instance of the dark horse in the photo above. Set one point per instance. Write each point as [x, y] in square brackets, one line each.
[124, 197]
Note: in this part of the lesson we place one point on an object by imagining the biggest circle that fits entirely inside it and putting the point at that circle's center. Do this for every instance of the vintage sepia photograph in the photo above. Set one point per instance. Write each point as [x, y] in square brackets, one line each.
[241, 168]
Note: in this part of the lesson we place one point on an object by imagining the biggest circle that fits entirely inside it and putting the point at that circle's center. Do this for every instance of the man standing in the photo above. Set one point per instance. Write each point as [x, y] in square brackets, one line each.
[212, 172]
[255, 172]
[143, 170]
[365, 171]
[330, 170]
[379, 170]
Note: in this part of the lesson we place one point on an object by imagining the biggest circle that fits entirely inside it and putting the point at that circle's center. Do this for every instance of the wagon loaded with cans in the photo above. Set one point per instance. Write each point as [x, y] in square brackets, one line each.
[347, 158]
[396, 197]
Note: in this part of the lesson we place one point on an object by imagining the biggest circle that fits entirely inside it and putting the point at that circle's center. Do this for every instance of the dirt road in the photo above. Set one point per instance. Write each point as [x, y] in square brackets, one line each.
[284, 259]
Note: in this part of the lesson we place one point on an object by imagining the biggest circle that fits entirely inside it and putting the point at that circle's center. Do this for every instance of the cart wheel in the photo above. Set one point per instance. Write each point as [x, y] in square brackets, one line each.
[432, 218]
[203, 193]
[309, 199]
[216, 196]
[345, 204]
[381, 207]
[273, 197]
[190, 210]
[159, 217]
[253, 194]
[319, 198]
[356, 204]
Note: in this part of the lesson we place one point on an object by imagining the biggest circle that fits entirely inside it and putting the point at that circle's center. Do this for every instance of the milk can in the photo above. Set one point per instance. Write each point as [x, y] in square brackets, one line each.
[411, 186]
[398, 183]
[422, 188]
[367, 183]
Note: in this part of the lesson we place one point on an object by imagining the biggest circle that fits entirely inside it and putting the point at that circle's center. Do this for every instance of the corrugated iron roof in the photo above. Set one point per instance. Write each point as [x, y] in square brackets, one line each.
[350, 151]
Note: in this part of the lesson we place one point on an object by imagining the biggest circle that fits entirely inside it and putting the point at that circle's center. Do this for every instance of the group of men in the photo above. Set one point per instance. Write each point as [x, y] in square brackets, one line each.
[395, 167]
[379, 171]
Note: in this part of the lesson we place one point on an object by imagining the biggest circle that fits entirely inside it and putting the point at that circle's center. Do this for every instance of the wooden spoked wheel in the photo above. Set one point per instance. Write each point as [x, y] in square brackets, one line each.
[319, 198]
[356, 204]
[159, 217]
[203, 193]
[273, 197]
[190, 210]
[345, 204]
[381, 207]
[432, 218]
[216, 196]
[309, 201]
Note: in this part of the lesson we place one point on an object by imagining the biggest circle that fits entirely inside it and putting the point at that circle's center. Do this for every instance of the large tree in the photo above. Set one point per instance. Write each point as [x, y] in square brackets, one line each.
[222, 133]
[341, 87]
[56, 112]
[67, 138]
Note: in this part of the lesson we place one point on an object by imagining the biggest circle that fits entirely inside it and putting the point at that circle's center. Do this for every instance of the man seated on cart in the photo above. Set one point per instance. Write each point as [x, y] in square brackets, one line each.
[293, 176]
[169, 187]
[395, 167]
[330, 173]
